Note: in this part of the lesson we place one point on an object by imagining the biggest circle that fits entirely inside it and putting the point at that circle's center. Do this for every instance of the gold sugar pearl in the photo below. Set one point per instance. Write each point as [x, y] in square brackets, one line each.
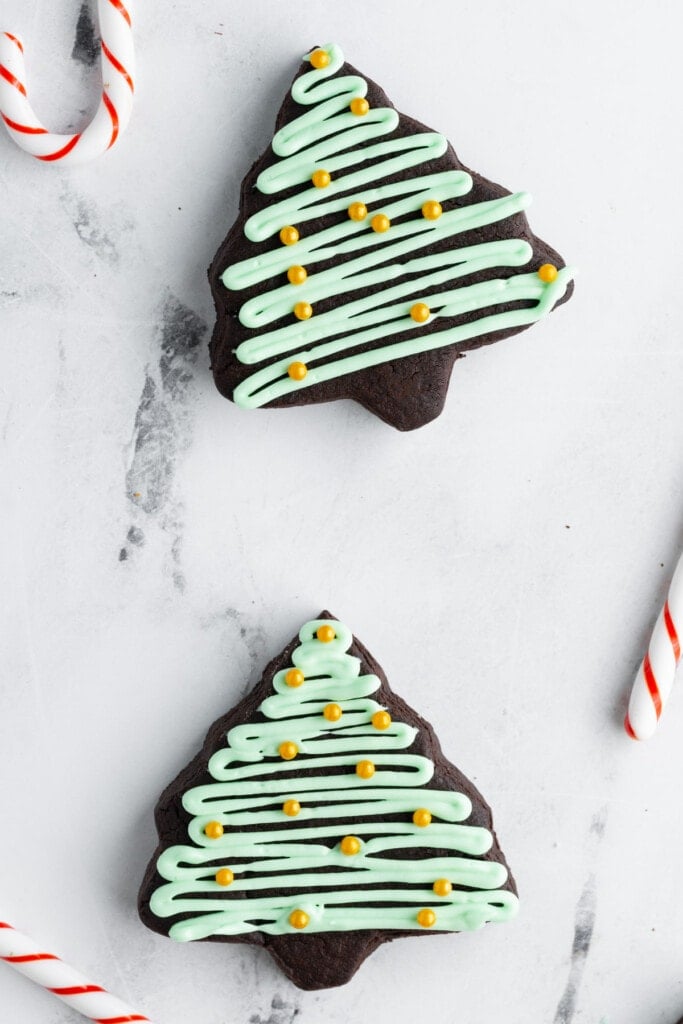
[297, 275]
[325, 634]
[547, 273]
[213, 830]
[297, 371]
[320, 59]
[442, 887]
[332, 712]
[299, 919]
[420, 312]
[365, 769]
[303, 311]
[357, 211]
[288, 750]
[422, 817]
[431, 210]
[381, 720]
[350, 846]
[225, 877]
[359, 106]
[426, 918]
[291, 808]
[289, 235]
[294, 676]
[321, 178]
[380, 223]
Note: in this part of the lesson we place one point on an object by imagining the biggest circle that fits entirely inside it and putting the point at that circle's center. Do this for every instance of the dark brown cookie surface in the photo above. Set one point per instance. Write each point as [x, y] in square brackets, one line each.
[356, 326]
[365, 833]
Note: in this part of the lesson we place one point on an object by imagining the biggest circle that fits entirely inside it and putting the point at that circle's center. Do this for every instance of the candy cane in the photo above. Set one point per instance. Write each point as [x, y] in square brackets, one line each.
[63, 981]
[655, 676]
[115, 106]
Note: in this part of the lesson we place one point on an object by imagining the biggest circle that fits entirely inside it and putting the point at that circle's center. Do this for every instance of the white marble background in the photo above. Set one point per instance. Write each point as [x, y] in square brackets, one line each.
[504, 564]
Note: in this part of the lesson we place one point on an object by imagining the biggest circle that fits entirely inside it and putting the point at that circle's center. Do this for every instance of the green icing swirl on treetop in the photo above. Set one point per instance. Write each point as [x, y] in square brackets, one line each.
[288, 864]
[330, 136]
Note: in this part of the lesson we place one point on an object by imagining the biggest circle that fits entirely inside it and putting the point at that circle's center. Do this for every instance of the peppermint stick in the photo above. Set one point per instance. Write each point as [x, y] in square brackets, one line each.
[655, 677]
[115, 107]
[47, 970]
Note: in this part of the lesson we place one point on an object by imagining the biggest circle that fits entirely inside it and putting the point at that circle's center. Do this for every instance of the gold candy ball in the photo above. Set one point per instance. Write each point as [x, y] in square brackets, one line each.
[431, 210]
[350, 846]
[303, 311]
[321, 179]
[381, 720]
[297, 371]
[289, 235]
[299, 919]
[380, 223]
[319, 59]
[420, 312]
[442, 887]
[358, 211]
[547, 273]
[297, 275]
[365, 769]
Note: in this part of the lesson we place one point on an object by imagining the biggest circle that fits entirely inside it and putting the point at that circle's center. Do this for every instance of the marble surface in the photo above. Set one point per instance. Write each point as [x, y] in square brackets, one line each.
[505, 564]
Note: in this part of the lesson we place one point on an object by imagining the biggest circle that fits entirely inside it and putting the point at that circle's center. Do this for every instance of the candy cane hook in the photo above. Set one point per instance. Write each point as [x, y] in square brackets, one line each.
[62, 981]
[655, 677]
[115, 106]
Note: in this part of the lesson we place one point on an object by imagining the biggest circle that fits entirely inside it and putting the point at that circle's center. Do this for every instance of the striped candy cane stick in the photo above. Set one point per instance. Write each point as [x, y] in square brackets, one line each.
[115, 106]
[655, 676]
[63, 981]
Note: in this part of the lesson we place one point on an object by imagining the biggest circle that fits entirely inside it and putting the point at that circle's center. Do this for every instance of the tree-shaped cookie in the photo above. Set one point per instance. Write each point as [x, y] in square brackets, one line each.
[321, 819]
[366, 258]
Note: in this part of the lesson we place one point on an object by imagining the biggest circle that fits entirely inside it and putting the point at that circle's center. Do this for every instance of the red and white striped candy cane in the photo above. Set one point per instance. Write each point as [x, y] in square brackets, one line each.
[655, 676]
[115, 106]
[63, 981]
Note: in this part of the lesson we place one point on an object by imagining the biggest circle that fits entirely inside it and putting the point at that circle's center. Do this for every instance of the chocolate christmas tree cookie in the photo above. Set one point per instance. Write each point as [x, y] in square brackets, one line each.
[366, 258]
[321, 819]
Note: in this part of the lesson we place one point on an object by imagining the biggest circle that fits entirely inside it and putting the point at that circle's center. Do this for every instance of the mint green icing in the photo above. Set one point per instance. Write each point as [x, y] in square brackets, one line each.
[251, 782]
[329, 136]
